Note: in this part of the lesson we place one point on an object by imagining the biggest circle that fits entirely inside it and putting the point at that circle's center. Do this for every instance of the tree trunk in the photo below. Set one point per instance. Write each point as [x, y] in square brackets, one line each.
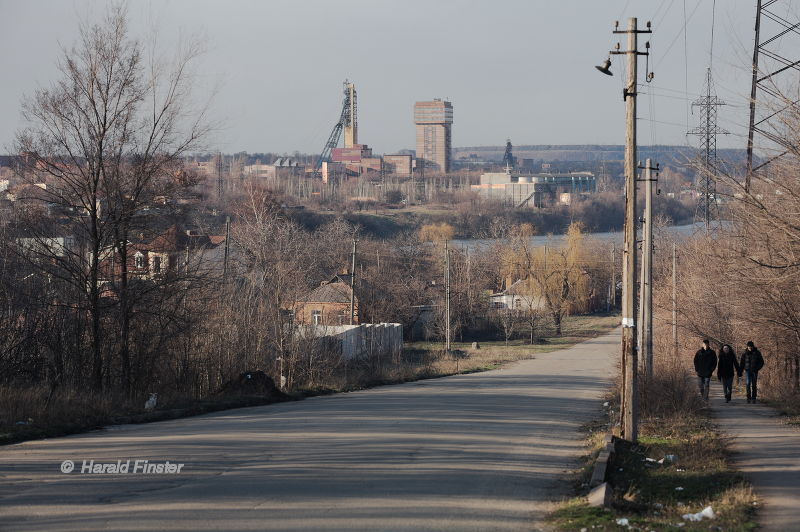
[94, 302]
[125, 314]
[557, 322]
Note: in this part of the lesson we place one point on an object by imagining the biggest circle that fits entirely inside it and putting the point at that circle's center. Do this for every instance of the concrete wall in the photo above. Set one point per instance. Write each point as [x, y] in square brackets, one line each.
[367, 339]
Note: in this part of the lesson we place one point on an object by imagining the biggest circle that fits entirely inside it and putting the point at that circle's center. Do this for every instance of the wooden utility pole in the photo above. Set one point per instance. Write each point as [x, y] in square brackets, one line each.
[227, 248]
[447, 295]
[353, 283]
[675, 300]
[613, 274]
[646, 303]
[629, 400]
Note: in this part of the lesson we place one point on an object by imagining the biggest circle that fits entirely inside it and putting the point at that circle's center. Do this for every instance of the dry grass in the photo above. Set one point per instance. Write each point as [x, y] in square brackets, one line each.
[673, 422]
[33, 413]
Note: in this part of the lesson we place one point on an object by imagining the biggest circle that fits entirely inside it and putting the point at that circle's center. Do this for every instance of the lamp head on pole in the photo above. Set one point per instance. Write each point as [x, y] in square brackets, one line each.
[605, 67]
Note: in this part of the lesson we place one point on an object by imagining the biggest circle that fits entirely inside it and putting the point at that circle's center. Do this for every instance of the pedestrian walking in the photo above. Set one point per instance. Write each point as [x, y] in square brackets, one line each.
[705, 362]
[726, 366]
[750, 364]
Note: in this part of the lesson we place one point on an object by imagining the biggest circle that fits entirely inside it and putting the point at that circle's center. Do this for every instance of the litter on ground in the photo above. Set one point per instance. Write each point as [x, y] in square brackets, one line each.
[705, 513]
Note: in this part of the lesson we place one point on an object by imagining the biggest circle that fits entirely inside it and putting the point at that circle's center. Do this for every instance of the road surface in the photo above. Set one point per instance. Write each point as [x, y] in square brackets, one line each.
[483, 451]
[767, 452]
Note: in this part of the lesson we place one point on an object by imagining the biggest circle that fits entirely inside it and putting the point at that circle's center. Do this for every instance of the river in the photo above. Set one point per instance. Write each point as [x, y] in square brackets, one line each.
[556, 240]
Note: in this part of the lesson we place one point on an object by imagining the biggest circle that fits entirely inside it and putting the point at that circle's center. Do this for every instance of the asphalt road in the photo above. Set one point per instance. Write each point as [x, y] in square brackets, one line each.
[483, 451]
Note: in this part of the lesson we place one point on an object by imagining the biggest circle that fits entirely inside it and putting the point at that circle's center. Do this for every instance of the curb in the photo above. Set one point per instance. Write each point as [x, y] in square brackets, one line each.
[602, 491]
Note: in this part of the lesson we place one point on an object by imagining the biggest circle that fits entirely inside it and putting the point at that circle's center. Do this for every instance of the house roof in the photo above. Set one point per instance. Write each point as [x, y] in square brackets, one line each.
[173, 239]
[285, 161]
[337, 290]
[517, 288]
[328, 293]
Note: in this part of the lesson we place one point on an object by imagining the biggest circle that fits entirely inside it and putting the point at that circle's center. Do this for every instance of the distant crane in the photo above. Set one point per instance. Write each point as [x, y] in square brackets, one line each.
[346, 119]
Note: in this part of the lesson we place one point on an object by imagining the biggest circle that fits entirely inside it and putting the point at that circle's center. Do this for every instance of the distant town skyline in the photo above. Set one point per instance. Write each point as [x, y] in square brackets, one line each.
[512, 69]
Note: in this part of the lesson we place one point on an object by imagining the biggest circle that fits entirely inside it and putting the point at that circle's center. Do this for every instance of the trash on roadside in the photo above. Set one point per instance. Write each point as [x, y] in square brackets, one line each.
[680, 470]
[605, 404]
[668, 459]
[679, 488]
[623, 521]
[647, 459]
[705, 513]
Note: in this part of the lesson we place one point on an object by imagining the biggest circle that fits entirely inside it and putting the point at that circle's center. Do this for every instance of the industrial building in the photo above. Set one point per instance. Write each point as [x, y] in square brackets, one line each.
[399, 165]
[358, 159]
[434, 121]
[536, 190]
[351, 116]
[281, 168]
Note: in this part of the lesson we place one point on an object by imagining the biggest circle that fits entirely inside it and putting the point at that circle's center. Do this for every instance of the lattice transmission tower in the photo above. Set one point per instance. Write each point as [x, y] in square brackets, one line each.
[707, 131]
[775, 36]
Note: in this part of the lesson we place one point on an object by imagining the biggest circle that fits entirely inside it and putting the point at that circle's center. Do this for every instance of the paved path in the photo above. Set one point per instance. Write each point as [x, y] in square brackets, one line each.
[471, 452]
[768, 453]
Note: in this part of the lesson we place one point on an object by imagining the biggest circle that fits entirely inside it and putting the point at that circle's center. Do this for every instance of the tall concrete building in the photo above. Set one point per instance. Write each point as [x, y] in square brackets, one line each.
[434, 121]
[351, 116]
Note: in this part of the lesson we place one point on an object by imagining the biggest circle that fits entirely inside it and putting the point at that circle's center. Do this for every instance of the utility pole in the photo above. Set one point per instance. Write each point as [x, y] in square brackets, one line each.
[675, 300]
[447, 295]
[227, 249]
[613, 274]
[646, 300]
[353, 283]
[219, 176]
[629, 398]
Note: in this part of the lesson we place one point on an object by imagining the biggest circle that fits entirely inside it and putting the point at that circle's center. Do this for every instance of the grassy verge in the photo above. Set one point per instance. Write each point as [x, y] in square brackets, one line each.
[76, 414]
[788, 406]
[653, 496]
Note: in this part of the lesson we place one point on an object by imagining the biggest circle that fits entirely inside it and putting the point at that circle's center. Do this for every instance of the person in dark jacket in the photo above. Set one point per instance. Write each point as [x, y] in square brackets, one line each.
[750, 364]
[725, 370]
[705, 362]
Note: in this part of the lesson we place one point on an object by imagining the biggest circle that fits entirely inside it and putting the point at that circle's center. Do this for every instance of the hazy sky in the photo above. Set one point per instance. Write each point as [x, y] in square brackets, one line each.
[512, 68]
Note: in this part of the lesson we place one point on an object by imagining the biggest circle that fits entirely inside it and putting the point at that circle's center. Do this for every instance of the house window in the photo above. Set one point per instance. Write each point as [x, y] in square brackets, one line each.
[156, 264]
[138, 260]
[316, 317]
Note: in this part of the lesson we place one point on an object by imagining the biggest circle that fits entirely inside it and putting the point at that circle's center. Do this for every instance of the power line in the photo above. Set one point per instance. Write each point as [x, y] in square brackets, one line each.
[675, 39]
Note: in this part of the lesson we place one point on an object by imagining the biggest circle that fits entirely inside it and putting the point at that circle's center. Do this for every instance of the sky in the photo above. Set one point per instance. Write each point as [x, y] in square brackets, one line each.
[518, 69]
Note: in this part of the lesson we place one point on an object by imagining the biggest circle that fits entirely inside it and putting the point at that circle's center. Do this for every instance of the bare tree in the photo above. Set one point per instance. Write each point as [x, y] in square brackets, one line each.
[105, 139]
